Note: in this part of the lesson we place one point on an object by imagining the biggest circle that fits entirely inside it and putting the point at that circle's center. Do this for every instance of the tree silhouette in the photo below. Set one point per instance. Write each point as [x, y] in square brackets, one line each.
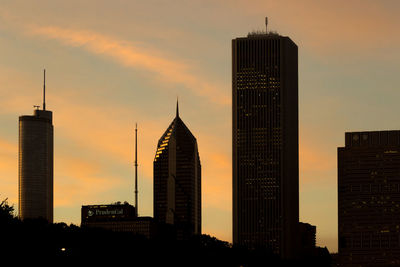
[36, 240]
[6, 211]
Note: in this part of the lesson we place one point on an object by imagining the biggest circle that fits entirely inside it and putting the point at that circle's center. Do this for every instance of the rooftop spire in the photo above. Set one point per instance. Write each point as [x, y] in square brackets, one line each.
[177, 108]
[136, 177]
[44, 89]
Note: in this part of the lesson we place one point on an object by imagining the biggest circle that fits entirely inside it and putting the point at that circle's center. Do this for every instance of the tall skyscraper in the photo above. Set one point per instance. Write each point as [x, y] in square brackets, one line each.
[265, 142]
[177, 180]
[369, 199]
[35, 160]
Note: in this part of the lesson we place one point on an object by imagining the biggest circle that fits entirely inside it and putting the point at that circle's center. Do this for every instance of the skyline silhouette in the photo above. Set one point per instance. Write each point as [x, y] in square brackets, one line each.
[128, 67]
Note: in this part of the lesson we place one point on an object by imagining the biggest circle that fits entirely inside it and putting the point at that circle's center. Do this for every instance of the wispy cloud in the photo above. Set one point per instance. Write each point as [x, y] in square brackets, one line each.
[107, 131]
[111, 134]
[341, 27]
[76, 178]
[172, 71]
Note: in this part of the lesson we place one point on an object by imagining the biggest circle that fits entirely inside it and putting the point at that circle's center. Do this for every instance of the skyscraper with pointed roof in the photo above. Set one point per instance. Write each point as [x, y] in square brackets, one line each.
[177, 180]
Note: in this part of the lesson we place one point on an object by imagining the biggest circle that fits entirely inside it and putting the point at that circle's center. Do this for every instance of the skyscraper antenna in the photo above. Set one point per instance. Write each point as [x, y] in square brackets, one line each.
[266, 24]
[177, 107]
[44, 89]
[136, 178]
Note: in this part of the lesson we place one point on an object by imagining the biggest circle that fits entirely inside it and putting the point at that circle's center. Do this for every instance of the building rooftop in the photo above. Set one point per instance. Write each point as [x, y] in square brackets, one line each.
[263, 33]
[372, 138]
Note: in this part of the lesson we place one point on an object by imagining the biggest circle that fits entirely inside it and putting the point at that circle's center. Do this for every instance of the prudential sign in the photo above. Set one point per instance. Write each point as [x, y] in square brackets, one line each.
[106, 212]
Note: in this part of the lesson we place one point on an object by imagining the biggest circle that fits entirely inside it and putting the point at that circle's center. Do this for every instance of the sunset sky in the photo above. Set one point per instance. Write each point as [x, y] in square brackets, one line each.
[110, 64]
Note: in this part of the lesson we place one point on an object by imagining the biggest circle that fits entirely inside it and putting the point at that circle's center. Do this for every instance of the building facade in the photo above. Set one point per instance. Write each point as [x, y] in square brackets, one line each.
[118, 218]
[177, 180]
[307, 239]
[369, 199]
[265, 142]
[35, 166]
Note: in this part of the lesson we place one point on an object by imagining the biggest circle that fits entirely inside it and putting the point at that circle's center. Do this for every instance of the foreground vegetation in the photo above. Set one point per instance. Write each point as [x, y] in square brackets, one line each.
[36, 241]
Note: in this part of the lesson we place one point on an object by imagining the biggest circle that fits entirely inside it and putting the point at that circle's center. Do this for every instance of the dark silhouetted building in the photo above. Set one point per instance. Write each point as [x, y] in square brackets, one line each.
[177, 180]
[307, 238]
[35, 165]
[265, 142]
[118, 218]
[369, 199]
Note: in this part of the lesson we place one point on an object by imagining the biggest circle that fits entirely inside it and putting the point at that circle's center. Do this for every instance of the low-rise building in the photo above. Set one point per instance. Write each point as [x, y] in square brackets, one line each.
[118, 218]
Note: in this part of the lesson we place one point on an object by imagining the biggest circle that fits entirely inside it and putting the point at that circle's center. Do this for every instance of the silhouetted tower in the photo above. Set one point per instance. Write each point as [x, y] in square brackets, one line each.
[35, 160]
[265, 142]
[177, 180]
[369, 199]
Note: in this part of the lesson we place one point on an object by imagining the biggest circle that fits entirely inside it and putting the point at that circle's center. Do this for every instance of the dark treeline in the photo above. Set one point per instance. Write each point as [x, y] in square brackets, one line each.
[36, 241]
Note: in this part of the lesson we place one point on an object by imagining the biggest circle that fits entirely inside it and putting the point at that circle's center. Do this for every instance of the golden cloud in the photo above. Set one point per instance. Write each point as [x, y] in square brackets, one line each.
[172, 71]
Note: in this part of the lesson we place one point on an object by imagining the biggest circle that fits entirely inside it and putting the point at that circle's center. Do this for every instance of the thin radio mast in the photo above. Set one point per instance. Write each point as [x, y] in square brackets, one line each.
[136, 178]
[44, 89]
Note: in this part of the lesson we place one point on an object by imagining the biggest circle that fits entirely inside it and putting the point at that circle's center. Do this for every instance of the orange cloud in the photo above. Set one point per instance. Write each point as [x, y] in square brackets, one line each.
[9, 171]
[108, 131]
[216, 179]
[79, 181]
[172, 71]
[112, 136]
[333, 27]
[312, 158]
[8, 148]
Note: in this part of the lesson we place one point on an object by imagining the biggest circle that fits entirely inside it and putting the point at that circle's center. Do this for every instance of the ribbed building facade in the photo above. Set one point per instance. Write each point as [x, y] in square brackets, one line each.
[35, 166]
[177, 180]
[265, 142]
[369, 199]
